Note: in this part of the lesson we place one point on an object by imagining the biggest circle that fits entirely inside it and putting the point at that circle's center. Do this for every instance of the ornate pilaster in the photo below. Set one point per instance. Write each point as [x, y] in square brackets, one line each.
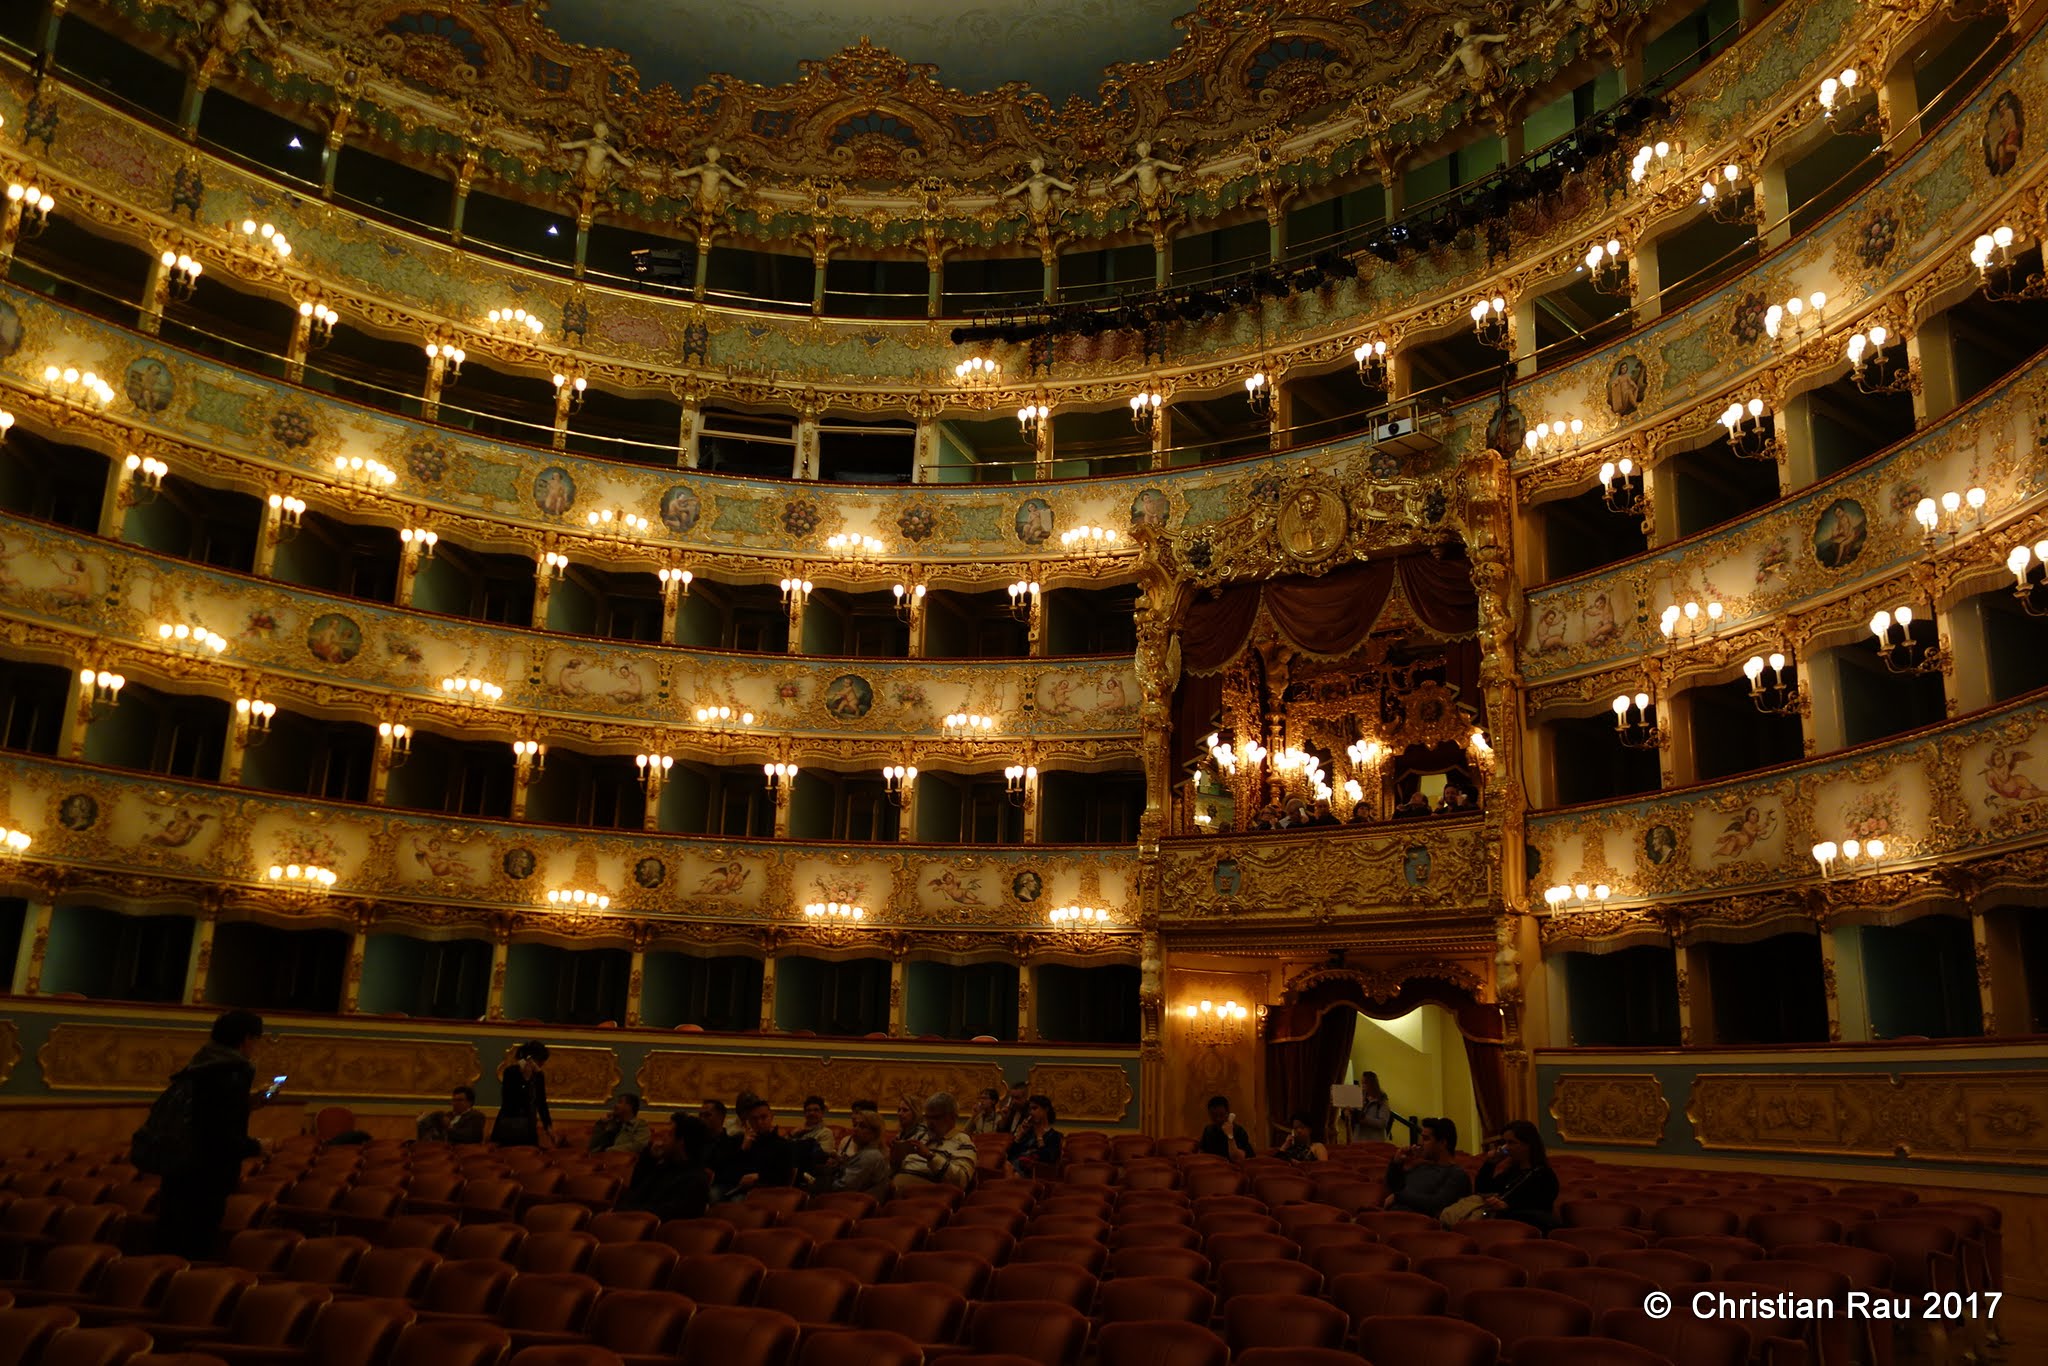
[34, 947]
[501, 955]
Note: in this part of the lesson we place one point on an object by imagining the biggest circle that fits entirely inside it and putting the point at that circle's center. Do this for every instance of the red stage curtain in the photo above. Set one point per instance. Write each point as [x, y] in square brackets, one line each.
[1300, 1072]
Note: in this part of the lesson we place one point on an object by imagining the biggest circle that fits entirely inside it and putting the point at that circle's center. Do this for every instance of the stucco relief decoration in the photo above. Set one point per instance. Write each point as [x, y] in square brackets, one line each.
[1610, 1107]
[10, 1049]
[576, 1074]
[1955, 1116]
[1097, 1093]
[94, 1057]
[669, 1078]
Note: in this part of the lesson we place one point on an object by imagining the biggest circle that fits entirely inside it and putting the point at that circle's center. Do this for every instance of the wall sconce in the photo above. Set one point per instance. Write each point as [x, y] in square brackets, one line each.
[1992, 255]
[252, 719]
[1723, 197]
[1032, 419]
[31, 205]
[1621, 485]
[302, 877]
[1653, 162]
[1367, 756]
[834, 910]
[396, 739]
[6, 425]
[852, 546]
[553, 564]
[1576, 896]
[98, 688]
[1225, 757]
[1024, 596]
[145, 476]
[192, 640]
[1860, 853]
[513, 322]
[358, 472]
[1606, 267]
[1374, 364]
[417, 543]
[978, 371]
[286, 511]
[1258, 393]
[72, 385]
[1554, 438]
[1685, 625]
[795, 593]
[1898, 650]
[1076, 917]
[475, 691]
[969, 723]
[617, 523]
[1789, 323]
[1873, 371]
[909, 601]
[1836, 90]
[181, 273]
[529, 760]
[1951, 514]
[14, 843]
[653, 771]
[261, 236]
[1491, 324]
[1145, 408]
[1752, 430]
[447, 359]
[573, 387]
[1088, 539]
[2030, 570]
[781, 780]
[1633, 725]
[1481, 750]
[898, 780]
[723, 718]
[1773, 687]
[320, 321]
[567, 898]
[675, 584]
[1212, 1026]
[1020, 783]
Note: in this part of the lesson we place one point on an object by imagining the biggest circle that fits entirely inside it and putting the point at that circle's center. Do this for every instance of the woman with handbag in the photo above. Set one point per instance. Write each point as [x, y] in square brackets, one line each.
[523, 1120]
[1516, 1180]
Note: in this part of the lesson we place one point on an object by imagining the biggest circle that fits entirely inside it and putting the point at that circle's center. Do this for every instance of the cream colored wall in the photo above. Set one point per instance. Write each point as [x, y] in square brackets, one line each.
[1420, 1059]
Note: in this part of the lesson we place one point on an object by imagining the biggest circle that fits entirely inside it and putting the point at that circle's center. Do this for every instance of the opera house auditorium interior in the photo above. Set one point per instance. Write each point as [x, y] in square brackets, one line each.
[1289, 683]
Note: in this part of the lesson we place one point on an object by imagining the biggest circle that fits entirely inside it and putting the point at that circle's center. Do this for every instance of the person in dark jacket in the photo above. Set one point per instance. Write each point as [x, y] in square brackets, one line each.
[523, 1119]
[757, 1156]
[1225, 1137]
[1426, 1177]
[669, 1179]
[197, 1182]
[1516, 1178]
[1036, 1149]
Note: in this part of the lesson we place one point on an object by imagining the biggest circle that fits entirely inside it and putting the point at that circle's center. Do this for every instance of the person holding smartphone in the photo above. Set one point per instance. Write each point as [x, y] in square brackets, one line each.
[523, 1119]
[203, 1163]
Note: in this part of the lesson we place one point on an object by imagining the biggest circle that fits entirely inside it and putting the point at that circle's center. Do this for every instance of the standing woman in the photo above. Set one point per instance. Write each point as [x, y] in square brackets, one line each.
[523, 1120]
[1376, 1115]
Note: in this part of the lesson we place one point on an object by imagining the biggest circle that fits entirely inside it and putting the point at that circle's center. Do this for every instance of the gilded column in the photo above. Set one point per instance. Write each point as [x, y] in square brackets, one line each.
[267, 537]
[806, 462]
[689, 433]
[768, 990]
[156, 291]
[636, 976]
[114, 505]
[200, 961]
[34, 947]
[1682, 961]
[899, 1004]
[501, 957]
[352, 975]
[1027, 1003]
[1987, 1004]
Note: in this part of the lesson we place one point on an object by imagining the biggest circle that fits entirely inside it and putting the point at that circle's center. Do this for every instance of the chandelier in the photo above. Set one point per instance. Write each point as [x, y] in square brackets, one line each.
[145, 476]
[553, 564]
[261, 236]
[1258, 393]
[1855, 853]
[795, 593]
[1023, 598]
[909, 599]
[1653, 161]
[1576, 895]
[362, 473]
[1992, 255]
[617, 522]
[1087, 539]
[309, 877]
[447, 358]
[529, 759]
[1836, 90]
[978, 372]
[196, 640]
[288, 511]
[99, 688]
[6, 424]
[723, 718]
[853, 546]
[969, 723]
[781, 778]
[476, 691]
[1789, 323]
[1874, 372]
[675, 583]
[1020, 781]
[1074, 917]
[1554, 438]
[566, 898]
[513, 321]
[417, 543]
[834, 910]
[73, 385]
[1211, 1025]
[1723, 198]
[572, 388]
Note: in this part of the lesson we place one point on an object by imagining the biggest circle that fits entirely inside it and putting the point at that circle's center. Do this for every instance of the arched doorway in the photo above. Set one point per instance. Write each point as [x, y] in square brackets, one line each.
[1312, 1039]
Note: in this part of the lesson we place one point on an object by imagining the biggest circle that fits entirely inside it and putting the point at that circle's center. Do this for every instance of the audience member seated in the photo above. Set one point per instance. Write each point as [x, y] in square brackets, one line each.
[712, 1115]
[1361, 812]
[757, 1156]
[1457, 797]
[944, 1156]
[622, 1131]
[816, 1133]
[1516, 1178]
[1426, 1177]
[461, 1122]
[1415, 804]
[847, 1146]
[1016, 1109]
[988, 1112]
[866, 1168]
[909, 1127]
[669, 1180]
[1301, 1145]
[1225, 1137]
[1036, 1151]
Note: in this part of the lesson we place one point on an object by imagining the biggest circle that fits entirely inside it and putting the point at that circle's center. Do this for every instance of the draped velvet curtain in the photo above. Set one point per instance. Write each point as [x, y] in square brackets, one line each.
[1329, 617]
[1303, 1062]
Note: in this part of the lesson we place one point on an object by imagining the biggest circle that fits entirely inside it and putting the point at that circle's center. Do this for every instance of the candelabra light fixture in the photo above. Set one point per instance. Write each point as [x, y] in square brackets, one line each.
[577, 898]
[181, 273]
[396, 737]
[781, 779]
[1773, 688]
[853, 546]
[6, 424]
[616, 523]
[476, 691]
[287, 511]
[1224, 757]
[194, 640]
[1020, 782]
[653, 769]
[552, 564]
[1078, 917]
[1211, 1024]
[576, 386]
[14, 843]
[1790, 323]
[795, 593]
[99, 688]
[1723, 196]
[1258, 393]
[514, 322]
[451, 358]
[417, 543]
[1653, 161]
[1993, 256]
[73, 385]
[1852, 855]
[1752, 430]
[1032, 417]
[1607, 267]
[1374, 362]
[303, 877]
[898, 780]
[1950, 515]
[1024, 595]
[252, 718]
[261, 237]
[1491, 324]
[1146, 405]
[1633, 724]
[1897, 648]
[1836, 92]
[1575, 896]
[1087, 539]
[675, 583]
[2030, 572]
[909, 600]
[1875, 372]
[1684, 624]
[1481, 750]
[320, 321]
[1621, 485]
[1554, 438]
[145, 476]
[978, 371]
[529, 759]
[834, 910]
[723, 718]
[363, 472]
[969, 723]
[33, 204]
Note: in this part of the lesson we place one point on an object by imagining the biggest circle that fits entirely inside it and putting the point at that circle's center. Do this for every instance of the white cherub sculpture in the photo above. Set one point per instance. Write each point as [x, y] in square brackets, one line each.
[1037, 190]
[1482, 72]
[711, 179]
[1146, 171]
[598, 152]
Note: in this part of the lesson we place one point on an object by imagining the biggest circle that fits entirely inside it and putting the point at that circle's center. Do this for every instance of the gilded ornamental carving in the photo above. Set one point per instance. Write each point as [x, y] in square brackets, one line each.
[588, 1075]
[1628, 1109]
[1955, 1116]
[141, 1058]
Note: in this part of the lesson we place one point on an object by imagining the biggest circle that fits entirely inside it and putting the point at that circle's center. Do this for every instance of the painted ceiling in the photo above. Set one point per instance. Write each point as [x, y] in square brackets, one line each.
[1059, 47]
